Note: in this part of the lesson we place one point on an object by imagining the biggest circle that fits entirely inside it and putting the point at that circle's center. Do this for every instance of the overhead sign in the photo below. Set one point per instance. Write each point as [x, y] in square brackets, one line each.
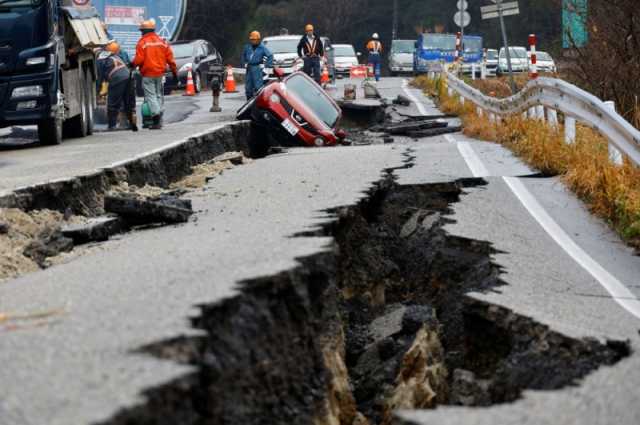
[123, 18]
[508, 9]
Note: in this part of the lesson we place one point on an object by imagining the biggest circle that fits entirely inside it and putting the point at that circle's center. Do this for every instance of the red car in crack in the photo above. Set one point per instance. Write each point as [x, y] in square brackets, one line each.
[295, 111]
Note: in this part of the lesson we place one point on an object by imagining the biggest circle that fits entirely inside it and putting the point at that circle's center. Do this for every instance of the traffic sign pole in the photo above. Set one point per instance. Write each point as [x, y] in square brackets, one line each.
[506, 47]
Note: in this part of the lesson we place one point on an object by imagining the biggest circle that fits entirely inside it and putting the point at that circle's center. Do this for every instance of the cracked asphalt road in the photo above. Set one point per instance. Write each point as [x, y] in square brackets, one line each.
[142, 287]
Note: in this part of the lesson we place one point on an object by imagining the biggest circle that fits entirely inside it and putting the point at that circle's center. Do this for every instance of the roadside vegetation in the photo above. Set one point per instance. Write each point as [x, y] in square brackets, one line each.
[611, 192]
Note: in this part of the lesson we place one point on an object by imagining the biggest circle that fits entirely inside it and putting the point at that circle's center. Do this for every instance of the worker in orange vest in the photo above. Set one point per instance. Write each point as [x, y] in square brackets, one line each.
[153, 56]
[114, 78]
[374, 47]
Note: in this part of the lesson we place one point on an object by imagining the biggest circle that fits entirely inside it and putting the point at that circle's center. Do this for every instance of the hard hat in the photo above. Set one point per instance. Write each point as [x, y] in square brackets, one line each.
[149, 24]
[113, 47]
[255, 35]
[308, 28]
[375, 36]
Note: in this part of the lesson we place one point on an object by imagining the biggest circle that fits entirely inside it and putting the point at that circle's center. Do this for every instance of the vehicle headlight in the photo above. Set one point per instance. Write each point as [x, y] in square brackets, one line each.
[274, 98]
[186, 66]
[38, 60]
[27, 91]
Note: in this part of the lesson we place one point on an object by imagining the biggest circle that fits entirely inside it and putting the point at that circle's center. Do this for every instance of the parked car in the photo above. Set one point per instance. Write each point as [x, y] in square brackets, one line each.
[492, 62]
[544, 62]
[201, 56]
[285, 53]
[295, 111]
[401, 56]
[519, 60]
[345, 57]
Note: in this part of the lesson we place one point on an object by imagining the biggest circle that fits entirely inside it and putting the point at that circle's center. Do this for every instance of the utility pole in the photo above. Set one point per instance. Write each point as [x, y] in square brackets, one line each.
[394, 30]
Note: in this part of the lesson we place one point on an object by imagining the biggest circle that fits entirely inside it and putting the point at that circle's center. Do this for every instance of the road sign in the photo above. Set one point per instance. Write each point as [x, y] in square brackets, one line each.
[462, 5]
[124, 16]
[508, 9]
[462, 19]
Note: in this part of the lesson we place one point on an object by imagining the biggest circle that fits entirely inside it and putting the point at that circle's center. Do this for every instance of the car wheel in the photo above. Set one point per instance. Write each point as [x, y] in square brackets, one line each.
[198, 82]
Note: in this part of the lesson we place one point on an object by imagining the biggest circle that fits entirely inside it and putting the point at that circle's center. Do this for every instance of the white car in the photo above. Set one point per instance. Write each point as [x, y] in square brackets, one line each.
[285, 53]
[544, 62]
[492, 61]
[345, 57]
[519, 60]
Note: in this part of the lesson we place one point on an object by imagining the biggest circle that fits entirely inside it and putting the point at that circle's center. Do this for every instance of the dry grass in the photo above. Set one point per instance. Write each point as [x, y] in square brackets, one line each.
[612, 192]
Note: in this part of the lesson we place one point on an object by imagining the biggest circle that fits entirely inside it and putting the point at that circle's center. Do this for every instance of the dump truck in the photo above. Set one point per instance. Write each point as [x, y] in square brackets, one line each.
[48, 67]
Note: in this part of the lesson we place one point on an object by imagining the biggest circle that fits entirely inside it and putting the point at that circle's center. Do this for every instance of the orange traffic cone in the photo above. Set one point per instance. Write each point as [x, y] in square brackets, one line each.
[324, 78]
[230, 83]
[191, 88]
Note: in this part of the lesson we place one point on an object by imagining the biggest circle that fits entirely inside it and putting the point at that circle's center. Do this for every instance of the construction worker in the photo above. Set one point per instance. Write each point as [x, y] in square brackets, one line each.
[311, 49]
[374, 47]
[114, 79]
[153, 56]
[254, 56]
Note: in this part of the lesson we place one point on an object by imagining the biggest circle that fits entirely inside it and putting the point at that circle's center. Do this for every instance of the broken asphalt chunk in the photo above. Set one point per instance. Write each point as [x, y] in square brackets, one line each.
[49, 243]
[433, 132]
[408, 127]
[96, 229]
[137, 211]
[402, 100]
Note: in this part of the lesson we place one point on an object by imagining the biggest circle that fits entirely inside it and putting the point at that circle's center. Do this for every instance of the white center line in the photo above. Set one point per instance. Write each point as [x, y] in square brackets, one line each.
[411, 96]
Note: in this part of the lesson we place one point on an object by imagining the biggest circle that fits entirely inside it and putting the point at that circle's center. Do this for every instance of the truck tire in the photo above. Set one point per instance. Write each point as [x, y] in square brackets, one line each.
[78, 125]
[50, 131]
[90, 85]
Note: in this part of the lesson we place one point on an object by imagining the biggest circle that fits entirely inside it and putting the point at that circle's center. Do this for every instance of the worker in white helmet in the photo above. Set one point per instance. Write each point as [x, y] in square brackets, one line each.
[374, 48]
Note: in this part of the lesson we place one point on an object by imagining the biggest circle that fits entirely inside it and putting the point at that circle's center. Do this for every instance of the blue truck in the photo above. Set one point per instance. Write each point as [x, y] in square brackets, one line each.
[47, 66]
[434, 51]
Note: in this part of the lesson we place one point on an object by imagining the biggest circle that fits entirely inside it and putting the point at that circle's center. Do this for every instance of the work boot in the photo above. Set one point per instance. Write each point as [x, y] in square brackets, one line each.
[133, 121]
[112, 120]
[157, 124]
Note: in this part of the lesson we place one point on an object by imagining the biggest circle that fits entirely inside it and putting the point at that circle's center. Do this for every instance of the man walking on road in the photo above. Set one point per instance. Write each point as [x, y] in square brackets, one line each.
[114, 74]
[311, 49]
[374, 47]
[255, 54]
[153, 55]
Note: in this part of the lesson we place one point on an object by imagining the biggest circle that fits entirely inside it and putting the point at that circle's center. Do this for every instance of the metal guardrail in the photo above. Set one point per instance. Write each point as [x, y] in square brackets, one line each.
[558, 96]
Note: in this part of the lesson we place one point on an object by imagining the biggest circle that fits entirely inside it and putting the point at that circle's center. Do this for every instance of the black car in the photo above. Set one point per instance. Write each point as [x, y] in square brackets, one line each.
[201, 56]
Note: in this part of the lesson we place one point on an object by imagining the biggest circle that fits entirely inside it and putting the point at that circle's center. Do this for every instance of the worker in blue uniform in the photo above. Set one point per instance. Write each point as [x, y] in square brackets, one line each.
[254, 56]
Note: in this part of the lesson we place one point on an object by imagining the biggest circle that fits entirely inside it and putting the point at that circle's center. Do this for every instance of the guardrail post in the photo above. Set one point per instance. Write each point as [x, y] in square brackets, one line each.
[462, 100]
[614, 154]
[531, 112]
[569, 130]
[540, 112]
[552, 116]
[483, 67]
[479, 111]
[473, 71]
[449, 91]
[492, 118]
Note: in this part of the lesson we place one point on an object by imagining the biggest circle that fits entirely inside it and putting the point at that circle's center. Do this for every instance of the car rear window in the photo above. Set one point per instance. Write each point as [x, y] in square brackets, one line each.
[313, 96]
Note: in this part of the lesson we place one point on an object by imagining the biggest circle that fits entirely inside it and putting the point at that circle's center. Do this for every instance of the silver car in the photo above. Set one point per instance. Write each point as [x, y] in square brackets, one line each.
[401, 56]
[285, 53]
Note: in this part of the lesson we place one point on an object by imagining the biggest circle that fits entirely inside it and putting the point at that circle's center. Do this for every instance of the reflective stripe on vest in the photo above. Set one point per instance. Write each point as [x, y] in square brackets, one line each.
[312, 47]
[118, 64]
[376, 47]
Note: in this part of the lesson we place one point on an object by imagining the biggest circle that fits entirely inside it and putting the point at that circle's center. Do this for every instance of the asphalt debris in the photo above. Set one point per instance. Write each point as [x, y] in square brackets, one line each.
[135, 210]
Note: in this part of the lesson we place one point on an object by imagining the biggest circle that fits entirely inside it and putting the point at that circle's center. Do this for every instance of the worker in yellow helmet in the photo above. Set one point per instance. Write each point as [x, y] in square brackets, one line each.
[311, 50]
[254, 57]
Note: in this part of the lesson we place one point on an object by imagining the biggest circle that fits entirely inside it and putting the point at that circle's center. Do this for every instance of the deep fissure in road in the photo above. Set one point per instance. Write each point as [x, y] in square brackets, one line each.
[378, 322]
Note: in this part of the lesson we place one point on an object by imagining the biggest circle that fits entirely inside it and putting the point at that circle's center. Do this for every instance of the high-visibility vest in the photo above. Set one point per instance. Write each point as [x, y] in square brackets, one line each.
[374, 46]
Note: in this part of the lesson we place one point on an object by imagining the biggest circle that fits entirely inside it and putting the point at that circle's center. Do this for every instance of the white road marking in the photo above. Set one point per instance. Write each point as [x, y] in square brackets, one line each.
[411, 96]
[449, 138]
[618, 291]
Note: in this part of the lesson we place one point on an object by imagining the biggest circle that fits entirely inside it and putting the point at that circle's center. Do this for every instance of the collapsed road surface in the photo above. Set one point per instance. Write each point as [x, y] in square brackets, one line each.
[410, 282]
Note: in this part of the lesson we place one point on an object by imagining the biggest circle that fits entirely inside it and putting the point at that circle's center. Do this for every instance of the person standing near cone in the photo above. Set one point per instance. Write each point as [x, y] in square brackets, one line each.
[374, 47]
[153, 56]
[311, 49]
[114, 78]
[255, 54]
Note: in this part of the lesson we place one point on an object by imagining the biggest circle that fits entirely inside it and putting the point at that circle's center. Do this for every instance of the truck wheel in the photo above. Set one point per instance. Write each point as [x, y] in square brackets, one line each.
[91, 97]
[78, 125]
[50, 131]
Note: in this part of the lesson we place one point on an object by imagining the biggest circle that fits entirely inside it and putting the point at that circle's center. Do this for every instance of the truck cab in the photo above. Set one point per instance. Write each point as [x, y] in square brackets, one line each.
[47, 66]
